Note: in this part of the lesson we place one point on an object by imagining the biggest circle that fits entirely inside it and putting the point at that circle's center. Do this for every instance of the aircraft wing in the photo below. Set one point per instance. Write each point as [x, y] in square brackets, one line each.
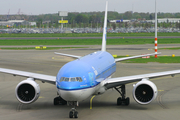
[68, 55]
[114, 82]
[138, 56]
[36, 76]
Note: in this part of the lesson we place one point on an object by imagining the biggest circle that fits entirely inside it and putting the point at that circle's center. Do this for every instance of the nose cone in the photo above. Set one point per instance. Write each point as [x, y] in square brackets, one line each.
[74, 95]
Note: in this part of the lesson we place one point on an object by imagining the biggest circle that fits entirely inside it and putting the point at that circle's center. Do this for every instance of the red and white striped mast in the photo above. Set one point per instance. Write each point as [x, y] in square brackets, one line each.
[155, 31]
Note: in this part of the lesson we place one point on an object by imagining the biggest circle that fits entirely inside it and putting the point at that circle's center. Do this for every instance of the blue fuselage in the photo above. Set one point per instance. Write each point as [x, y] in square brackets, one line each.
[86, 72]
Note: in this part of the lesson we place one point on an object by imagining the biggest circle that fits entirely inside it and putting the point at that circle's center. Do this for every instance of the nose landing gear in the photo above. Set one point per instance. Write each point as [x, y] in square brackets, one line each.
[73, 113]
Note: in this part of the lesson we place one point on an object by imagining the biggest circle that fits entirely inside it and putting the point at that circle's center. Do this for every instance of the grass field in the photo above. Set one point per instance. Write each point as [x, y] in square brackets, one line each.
[174, 48]
[86, 34]
[160, 59]
[88, 41]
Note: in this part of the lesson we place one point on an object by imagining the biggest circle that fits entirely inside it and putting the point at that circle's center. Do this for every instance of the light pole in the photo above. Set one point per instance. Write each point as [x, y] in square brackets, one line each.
[155, 31]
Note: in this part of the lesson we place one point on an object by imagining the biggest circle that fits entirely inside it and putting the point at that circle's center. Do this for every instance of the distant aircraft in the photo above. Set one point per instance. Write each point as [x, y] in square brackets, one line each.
[87, 76]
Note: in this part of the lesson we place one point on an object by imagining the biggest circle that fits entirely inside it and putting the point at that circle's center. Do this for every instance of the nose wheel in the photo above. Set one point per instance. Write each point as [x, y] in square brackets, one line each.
[73, 113]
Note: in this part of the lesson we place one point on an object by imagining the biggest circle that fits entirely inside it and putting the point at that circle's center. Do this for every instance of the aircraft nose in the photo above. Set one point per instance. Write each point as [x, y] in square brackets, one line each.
[71, 95]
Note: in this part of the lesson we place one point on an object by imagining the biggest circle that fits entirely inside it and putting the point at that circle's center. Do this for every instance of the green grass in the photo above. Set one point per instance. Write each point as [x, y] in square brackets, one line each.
[160, 59]
[86, 34]
[88, 41]
[174, 48]
[18, 48]
[33, 48]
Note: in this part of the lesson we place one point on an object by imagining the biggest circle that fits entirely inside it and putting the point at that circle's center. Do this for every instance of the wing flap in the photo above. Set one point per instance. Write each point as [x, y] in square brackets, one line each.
[41, 77]
[113, 82]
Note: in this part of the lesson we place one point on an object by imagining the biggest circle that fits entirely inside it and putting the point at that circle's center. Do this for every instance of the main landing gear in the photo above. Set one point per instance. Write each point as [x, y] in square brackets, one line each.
[122, 100]
[59, 101]
[73, 113]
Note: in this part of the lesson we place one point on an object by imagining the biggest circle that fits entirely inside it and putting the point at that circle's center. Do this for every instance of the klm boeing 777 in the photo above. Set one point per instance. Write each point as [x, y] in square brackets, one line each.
[87, 76]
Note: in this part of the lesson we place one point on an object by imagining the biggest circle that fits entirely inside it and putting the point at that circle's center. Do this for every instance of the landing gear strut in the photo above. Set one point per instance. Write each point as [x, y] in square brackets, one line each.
[59, 101]
[73, 113]
[122, 100]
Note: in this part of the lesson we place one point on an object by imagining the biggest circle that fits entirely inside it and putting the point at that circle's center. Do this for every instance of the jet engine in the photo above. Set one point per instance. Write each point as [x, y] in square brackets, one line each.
[145, 92]
[27, 91]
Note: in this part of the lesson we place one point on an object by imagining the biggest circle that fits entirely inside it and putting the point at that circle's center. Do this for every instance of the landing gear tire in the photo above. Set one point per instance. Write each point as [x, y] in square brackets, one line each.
[59, 101]
[63, 102]
[122, 100]
[56, 101]
[119, 101]
[73, 113]
[127, 101]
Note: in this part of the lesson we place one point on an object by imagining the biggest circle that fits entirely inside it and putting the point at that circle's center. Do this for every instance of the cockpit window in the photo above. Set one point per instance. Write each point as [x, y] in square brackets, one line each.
[62, 79]
[75, 79]
[79, 79]
[66, 79]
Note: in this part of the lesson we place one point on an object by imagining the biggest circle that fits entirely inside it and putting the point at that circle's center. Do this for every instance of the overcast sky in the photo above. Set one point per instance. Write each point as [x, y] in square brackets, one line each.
[36, 7]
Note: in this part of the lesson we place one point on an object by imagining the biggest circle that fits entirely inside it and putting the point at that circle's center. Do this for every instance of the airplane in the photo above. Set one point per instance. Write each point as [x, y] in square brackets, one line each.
[87, 76]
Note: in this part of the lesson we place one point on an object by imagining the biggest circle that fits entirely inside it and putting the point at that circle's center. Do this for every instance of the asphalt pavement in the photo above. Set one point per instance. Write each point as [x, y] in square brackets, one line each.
[104, 107]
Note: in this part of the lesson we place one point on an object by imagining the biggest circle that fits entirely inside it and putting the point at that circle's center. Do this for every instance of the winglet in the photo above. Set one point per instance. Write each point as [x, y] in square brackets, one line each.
[104, 30]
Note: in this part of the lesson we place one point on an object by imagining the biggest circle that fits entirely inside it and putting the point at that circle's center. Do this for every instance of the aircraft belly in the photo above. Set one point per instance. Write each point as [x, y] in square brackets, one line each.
[76, 95]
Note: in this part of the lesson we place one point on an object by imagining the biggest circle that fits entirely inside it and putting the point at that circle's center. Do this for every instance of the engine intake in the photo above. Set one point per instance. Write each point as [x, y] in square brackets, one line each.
[144, 92]
[27, 91]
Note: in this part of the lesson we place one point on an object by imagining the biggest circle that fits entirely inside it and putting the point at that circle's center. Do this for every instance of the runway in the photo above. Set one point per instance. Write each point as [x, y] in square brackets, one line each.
[120, 50]
[165, 107]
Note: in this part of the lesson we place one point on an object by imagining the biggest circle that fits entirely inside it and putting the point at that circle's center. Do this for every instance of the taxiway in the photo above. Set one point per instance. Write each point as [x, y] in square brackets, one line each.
[165, 107]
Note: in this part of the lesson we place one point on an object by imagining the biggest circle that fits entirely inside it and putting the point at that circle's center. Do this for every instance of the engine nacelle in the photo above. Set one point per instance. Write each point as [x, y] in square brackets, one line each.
[27, 91]
[145, 92]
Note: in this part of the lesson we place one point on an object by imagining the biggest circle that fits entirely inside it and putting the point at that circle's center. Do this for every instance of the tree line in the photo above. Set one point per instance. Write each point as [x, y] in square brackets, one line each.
[91, 19]
[85, 17]
[88, 17]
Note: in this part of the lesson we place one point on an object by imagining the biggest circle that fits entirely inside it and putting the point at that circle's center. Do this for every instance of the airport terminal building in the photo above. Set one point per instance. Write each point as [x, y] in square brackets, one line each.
[166, 20]
[16, 23]
[162, 20]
